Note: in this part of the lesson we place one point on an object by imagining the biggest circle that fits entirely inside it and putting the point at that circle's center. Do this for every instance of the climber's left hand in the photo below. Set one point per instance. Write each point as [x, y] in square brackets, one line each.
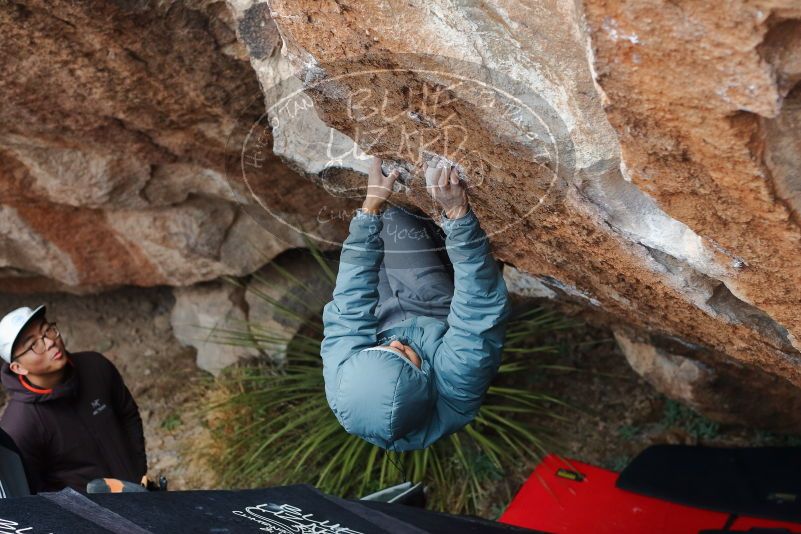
[379, 187]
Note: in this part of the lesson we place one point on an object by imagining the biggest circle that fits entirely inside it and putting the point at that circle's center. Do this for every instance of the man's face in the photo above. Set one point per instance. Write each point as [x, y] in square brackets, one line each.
[26, 361]
[405, 351]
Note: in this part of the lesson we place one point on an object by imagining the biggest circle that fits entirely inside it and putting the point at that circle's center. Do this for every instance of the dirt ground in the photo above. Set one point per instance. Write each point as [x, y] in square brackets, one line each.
[613, 413]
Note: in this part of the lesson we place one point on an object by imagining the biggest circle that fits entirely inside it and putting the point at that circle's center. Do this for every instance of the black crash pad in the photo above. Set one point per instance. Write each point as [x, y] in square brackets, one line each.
[757, 481]
[297, 509]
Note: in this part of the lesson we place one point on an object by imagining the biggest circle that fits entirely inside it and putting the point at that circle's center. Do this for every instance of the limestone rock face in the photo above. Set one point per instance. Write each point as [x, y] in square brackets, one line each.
[118, 130]
[257, 316]
[202, 316]
[710, 382]
[676, 211]
[722, 390]
[282, 297]
[674, 375]
[639, 158]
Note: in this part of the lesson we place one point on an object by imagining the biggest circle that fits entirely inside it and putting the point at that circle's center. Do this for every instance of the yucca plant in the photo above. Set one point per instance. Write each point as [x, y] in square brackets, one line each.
[274, 426]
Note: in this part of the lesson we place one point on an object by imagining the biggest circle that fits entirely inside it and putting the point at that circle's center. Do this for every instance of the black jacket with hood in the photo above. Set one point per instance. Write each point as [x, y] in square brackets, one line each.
[87, 427]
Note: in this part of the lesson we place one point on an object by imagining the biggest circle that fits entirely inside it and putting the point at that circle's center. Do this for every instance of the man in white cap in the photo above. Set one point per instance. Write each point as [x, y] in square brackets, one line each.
[70, 414]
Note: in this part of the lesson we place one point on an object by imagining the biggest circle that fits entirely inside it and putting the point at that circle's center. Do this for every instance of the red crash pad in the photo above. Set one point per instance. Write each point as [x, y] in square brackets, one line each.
[570, 497]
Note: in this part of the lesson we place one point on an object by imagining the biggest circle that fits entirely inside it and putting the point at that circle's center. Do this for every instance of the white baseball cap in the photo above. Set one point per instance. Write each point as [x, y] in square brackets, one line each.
[12, 324]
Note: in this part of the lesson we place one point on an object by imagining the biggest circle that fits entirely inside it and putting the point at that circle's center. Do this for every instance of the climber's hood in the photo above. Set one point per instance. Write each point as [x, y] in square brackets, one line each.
[381, 396]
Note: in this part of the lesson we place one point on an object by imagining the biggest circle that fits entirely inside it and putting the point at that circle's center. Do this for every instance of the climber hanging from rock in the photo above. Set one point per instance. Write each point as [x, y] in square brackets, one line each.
[410, 347]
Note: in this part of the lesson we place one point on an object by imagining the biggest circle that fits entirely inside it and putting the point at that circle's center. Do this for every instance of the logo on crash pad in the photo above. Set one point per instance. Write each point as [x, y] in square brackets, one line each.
[288, 519]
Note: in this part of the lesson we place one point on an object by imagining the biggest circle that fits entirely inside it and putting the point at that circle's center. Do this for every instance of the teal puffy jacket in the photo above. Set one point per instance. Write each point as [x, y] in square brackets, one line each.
[383, 397]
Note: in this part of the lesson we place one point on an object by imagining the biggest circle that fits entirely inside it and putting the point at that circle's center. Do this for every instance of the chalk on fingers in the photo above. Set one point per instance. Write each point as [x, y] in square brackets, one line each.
[454, 177]
[443, 177]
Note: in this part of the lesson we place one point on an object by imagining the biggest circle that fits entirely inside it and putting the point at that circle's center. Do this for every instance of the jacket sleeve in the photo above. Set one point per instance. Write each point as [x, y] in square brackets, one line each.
[349, 320]
[470, 353]
[30, 444]
[128, 412]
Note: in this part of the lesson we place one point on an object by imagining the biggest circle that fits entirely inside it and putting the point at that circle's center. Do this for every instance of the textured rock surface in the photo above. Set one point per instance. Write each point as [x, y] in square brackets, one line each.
[268, 308]
[201, 313]
[679, 216]
[676, 376]
[118, 122]
[721, 390]
[667, 200]
[710, 382]
[282, 297]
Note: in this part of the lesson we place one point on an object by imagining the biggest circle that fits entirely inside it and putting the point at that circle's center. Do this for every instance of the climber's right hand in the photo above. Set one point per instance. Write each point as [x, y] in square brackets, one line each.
[448, 190]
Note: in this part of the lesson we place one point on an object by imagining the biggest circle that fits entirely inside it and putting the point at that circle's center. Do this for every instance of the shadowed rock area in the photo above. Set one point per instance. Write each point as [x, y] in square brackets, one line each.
[118, 122]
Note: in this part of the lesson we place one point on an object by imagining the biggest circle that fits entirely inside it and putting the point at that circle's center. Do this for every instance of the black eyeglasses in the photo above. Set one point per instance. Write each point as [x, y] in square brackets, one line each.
[39, 346]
